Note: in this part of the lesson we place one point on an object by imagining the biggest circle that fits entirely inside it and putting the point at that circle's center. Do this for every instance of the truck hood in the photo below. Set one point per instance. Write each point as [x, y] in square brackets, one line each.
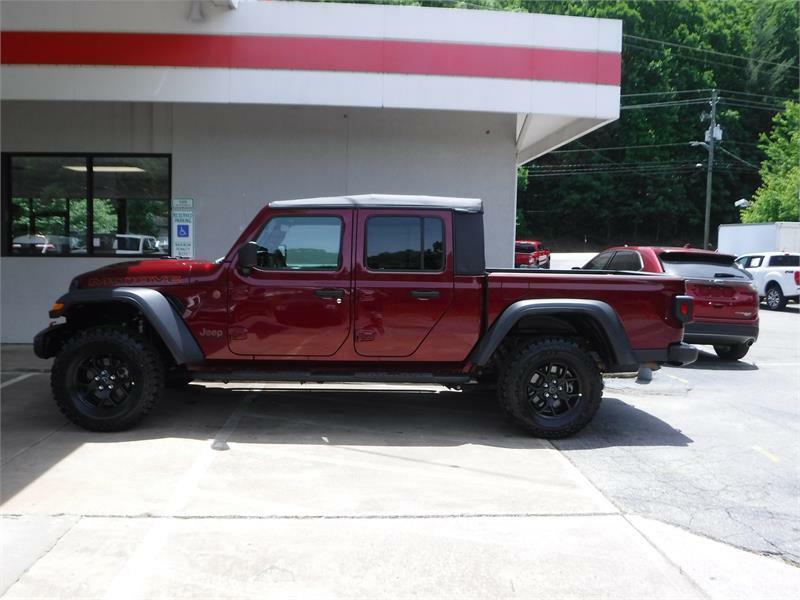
[145, 273]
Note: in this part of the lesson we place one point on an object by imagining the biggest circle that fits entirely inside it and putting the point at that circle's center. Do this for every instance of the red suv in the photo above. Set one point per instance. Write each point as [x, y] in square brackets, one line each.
[725, 299]
[531, 254]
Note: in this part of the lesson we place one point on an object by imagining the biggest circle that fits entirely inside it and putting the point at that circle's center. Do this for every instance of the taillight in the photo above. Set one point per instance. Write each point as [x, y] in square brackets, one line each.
[797, 277]
[683, 306]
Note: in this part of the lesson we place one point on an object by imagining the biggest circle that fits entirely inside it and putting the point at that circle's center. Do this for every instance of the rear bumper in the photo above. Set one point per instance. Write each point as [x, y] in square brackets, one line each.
[720, 333]
[677, 355]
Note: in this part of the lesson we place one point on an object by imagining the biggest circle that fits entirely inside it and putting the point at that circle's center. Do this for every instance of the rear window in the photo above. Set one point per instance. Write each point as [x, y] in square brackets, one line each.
[704, 270]
[405, 244]
[598, 262]
[625, 260]
[787, 260]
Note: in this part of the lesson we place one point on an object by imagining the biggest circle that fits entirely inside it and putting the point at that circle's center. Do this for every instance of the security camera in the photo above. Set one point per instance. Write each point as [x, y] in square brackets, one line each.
[742, 203]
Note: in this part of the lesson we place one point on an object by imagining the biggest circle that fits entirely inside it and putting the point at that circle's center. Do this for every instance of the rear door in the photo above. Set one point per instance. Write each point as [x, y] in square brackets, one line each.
[298, 300]
[403, 279]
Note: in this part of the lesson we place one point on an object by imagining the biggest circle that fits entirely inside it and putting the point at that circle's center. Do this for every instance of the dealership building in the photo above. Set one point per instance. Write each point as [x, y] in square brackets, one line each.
[139, 129]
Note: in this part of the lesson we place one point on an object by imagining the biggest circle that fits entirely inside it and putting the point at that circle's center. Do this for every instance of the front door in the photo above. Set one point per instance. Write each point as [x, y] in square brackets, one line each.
[404, 279]
[297, 301]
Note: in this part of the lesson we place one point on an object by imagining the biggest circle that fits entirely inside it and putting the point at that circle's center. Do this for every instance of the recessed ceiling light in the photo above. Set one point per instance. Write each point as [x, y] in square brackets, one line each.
[105, 169]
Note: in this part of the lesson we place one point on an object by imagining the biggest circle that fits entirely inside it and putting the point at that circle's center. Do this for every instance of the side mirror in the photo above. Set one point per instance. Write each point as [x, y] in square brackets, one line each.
[248, 257]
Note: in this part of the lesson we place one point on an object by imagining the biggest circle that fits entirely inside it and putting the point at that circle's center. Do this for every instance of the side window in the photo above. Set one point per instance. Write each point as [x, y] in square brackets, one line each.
[598, 263]
[625, 260]
[300, 243]
[785, 260]
[755, 262]
[405, 244]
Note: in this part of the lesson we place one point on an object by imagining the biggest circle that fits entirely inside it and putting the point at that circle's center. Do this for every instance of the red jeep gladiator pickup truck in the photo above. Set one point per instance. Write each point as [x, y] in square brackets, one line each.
[359, 288]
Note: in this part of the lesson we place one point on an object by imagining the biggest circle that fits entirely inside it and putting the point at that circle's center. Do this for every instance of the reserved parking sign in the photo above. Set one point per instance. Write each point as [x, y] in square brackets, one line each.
[182, 228]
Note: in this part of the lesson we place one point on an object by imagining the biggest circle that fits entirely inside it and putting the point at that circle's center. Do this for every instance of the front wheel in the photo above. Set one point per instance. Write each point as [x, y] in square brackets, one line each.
[107, 379]
[775, 298]
[551, 387]
[732, 351]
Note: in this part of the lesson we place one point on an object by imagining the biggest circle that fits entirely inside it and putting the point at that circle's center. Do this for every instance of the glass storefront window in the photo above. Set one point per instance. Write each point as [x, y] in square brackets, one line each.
[79, 205]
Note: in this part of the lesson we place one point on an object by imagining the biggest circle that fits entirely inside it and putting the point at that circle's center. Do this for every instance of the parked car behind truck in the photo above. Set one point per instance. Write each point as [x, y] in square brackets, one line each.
[776, 276]
[359, 288]
[726, 302]
[531, 254]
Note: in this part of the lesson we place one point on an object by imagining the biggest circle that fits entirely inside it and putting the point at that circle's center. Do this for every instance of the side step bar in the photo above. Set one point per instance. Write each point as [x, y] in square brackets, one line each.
[310, 377]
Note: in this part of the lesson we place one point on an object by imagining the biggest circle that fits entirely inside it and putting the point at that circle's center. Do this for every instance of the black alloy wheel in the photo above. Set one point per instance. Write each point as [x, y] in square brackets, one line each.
[107, 378]
[552, 387]
[553, 390]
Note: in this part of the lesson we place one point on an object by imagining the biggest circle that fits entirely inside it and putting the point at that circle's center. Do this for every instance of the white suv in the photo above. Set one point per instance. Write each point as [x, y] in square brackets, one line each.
[775, 274]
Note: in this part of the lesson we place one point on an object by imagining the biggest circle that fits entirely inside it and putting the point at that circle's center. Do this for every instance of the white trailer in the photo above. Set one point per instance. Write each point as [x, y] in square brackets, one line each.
[744, 238]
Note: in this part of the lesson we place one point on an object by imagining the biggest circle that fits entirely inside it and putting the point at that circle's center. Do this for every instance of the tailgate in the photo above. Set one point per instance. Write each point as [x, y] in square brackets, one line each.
[723, 299]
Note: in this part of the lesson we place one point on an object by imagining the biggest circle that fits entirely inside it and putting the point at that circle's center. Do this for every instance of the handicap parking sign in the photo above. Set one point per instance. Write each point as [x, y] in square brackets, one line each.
[183, 230]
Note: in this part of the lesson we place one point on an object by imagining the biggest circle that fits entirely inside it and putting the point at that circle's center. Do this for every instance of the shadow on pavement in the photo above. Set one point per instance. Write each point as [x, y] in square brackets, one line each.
[35, 437]
[618, 424]
[708, 361]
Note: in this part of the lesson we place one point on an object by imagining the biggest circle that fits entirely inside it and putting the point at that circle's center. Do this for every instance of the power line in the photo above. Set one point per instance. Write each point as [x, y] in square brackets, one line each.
[754, 94]
[619, 147]
[716, 52]
[753, 106]
[739, 158]
[705, 61]
[664, 93]
[664, 104]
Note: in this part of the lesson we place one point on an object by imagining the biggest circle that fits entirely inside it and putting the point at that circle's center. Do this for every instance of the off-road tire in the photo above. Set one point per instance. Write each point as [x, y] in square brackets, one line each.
[775, 299]
[516, 380]
[138, 356]
[732, 351]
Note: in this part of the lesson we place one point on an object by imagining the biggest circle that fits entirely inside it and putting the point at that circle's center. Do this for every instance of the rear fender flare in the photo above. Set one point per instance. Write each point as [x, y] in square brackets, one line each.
[602, 314]
[155, 307]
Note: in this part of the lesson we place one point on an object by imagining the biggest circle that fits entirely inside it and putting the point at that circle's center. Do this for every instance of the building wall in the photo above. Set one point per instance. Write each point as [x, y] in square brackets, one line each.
[233, 158]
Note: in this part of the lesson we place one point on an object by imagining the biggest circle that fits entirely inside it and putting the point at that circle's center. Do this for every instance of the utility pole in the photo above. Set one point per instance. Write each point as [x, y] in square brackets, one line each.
[710, 139]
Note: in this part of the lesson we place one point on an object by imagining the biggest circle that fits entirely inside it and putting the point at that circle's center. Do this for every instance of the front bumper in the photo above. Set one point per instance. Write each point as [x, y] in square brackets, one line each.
[677, 355]
[47, 342]
[720, 333]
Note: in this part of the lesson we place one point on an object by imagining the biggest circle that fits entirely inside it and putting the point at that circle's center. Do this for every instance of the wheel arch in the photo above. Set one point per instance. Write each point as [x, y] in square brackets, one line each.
[593, 320]
[80, 308]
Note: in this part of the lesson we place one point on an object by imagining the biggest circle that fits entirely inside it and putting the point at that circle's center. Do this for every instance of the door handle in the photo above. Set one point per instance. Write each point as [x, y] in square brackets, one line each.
[424, 294]
[330, 293]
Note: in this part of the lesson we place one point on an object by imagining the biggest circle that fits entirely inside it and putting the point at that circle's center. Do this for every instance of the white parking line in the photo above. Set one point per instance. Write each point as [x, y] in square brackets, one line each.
[17, 379]
[766, 453]
[130, 581]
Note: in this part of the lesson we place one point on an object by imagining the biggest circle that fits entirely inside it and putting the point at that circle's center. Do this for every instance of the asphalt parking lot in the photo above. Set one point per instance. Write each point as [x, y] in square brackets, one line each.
[684, 488]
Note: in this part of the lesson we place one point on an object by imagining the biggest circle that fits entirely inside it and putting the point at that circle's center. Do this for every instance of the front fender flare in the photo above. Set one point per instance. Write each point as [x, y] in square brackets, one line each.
[623, 358]
[155, 307]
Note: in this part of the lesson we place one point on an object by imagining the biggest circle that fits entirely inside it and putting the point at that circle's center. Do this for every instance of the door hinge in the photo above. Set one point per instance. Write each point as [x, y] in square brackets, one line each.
[365, 335]
[237, 333]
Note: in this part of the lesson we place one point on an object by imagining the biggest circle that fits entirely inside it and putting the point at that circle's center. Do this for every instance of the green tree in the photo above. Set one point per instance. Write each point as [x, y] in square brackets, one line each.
[778, 198]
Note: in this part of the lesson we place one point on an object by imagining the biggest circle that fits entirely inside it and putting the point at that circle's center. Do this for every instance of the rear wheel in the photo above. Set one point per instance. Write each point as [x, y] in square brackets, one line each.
[775, 298]
[731, 351]
[107, 379]
[551, 387]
